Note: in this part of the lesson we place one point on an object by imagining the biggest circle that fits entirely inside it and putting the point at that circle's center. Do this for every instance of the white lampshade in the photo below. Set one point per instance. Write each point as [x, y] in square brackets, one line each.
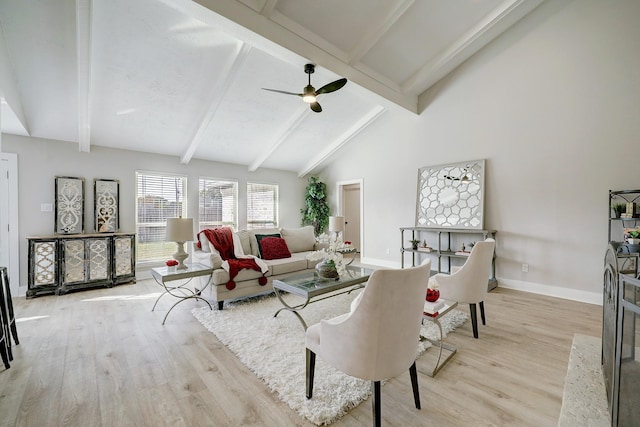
[336, 223]
[180, 229]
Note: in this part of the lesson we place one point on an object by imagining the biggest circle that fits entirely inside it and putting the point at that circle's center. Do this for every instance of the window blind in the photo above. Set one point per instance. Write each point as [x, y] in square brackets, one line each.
[262, 205]
[158, 197]
[217, 204]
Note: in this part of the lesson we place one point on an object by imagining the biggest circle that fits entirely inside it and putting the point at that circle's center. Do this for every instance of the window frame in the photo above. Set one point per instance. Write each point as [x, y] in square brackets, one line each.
[262, 224]
[208, 224]
[161, 257]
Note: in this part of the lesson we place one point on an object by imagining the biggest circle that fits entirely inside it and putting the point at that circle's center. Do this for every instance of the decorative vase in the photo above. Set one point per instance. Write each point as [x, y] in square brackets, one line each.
[327, 269]
[432, 295]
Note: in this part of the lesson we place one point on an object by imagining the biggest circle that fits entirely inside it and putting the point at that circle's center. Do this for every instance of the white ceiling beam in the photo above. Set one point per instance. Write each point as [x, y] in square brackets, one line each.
[83, 51]
[280, 137]
[500, 18]
[377, 31]
[9, 93]
[250, 23]
[346, 136]
[268, 8]
[229, 73]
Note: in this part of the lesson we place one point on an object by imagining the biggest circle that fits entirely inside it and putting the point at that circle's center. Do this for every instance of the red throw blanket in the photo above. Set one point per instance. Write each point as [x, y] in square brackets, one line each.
[222, 240]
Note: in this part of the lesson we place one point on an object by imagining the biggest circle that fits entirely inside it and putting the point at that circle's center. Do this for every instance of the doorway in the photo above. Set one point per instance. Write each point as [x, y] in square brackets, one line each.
[350, 206]
[9, 247]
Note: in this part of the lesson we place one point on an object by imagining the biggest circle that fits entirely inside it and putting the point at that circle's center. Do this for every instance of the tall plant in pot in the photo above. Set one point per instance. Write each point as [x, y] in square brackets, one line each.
[316, 211]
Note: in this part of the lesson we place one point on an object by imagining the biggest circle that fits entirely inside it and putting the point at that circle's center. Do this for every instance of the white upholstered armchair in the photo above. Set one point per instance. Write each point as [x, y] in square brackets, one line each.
[468, 284]
[379, 338]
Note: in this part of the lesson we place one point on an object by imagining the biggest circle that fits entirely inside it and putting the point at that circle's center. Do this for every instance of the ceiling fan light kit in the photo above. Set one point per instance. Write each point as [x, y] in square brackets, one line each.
[309, 93]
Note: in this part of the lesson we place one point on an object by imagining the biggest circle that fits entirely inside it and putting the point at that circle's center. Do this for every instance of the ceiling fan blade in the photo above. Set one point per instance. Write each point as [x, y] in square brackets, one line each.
[282, 91]
[332, 87]
[315, 107]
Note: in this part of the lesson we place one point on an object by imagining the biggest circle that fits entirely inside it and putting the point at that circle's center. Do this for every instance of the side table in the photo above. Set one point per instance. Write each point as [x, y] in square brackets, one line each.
[163, 275]
[349, 251]
[449, 305]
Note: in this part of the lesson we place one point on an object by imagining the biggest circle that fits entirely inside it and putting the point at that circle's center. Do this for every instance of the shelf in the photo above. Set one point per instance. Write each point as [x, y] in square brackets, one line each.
[443, 249]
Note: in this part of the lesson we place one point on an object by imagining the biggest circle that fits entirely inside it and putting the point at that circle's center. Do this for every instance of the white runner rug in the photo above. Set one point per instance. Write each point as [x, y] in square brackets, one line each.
[273, 348]
[584, 400]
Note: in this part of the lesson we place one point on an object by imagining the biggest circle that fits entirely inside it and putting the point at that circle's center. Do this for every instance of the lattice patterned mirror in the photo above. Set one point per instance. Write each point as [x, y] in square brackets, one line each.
[451, 196]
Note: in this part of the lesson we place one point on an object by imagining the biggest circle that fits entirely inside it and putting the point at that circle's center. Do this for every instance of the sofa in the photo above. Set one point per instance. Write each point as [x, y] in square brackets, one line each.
[299, 242]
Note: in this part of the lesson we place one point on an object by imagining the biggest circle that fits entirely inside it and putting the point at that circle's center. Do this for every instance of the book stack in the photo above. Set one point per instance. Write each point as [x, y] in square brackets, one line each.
[431, 308]
[425, 249]
[465, 253]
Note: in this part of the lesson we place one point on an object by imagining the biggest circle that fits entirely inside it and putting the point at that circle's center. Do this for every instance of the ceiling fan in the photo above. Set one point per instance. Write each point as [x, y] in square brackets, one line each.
[309, 93]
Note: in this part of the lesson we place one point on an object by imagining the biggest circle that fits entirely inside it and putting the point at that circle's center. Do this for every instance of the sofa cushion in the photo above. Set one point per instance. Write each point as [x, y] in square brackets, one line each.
[299, 239]
[297, 262]
[245, 240]
[274, 248]
[259, 237]
[255, 248]
[221, 277]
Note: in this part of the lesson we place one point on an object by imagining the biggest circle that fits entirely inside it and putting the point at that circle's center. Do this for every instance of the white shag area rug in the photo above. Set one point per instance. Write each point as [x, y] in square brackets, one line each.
[584, 399]
[273, 348]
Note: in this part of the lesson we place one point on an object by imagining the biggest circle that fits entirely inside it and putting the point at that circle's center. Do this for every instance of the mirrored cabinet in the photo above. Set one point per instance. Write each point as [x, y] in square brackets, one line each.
[58, 264]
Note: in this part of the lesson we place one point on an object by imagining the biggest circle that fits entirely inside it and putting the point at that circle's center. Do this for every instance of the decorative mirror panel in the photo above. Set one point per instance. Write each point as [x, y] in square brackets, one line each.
[106, 200]
[69, 215]
[451, 196]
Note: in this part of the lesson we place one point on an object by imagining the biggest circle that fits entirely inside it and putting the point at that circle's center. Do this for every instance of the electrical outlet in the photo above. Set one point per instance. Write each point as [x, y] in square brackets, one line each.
[388, 251]
[525, 268]
[46, 207]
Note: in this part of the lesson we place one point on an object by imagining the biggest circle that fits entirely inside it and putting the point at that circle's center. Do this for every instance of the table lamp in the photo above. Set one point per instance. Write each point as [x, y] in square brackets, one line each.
[180, 230]
[336, 225]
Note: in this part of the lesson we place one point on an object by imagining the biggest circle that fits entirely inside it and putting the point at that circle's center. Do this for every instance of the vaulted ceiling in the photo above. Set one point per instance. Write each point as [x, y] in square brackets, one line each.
[184, 78]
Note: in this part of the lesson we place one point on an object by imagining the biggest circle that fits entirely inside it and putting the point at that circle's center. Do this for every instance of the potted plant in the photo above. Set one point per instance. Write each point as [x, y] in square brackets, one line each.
[316, 212]
[633, 237]
[618, 208]
[414, 243]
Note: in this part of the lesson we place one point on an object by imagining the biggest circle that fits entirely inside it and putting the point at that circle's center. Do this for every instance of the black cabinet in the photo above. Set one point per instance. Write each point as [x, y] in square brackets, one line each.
[58, 264]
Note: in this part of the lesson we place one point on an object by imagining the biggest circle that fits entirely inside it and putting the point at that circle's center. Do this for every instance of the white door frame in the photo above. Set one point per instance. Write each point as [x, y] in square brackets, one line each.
[340, 196]
[10, 229]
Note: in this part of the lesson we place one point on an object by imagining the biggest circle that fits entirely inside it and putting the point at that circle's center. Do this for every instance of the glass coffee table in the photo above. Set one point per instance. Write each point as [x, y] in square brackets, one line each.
[435, 318]
[312, 288]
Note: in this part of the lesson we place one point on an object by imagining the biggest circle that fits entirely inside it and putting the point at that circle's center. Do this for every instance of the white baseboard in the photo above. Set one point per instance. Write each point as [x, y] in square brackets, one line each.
[519, 285]
[552, 291]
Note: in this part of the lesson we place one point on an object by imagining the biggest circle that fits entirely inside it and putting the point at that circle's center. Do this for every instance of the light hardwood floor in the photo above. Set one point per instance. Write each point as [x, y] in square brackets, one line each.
[102, 358]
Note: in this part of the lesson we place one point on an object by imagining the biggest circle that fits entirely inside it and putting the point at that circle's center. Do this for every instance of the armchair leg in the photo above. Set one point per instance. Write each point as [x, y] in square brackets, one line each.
[220, 305]
[484, 321]
[377, 413]
[311, 366]
[474, 319]
[414, 384]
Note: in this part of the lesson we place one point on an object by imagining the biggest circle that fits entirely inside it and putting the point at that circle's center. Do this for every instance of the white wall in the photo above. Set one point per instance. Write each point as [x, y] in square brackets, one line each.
[40, 160]
[553, 106]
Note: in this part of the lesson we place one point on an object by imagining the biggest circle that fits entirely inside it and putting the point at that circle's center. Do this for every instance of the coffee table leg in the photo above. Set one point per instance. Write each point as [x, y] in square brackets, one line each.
[293, 309]
[441, 345]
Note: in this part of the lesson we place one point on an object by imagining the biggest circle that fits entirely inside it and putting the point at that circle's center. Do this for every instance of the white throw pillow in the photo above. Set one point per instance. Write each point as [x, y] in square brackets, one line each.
[216, 259]
[299, 239]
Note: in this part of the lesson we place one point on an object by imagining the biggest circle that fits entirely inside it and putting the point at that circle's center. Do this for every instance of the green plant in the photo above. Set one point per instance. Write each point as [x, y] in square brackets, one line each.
[634, 234]
[618, 208]
[316, 211]
[414, 243]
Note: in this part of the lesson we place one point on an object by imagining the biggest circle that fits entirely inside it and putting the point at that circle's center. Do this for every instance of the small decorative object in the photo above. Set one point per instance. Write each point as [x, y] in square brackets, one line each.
[180, 230]
[327, 269]
[618, 209]
[633, 237]
[414, 244]
[69, 215]
[433, 293]
[171, 265]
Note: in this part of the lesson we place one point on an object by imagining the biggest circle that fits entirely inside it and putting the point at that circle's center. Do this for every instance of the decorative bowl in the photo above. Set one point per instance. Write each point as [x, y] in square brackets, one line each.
[432, 295]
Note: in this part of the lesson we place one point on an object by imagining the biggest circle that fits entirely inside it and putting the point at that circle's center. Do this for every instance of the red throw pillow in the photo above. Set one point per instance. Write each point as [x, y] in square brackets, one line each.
[274, 248]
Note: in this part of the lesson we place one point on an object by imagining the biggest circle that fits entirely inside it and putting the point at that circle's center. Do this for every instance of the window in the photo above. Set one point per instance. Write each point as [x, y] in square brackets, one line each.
[158, 197]
[262, 205]
[217, 203]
